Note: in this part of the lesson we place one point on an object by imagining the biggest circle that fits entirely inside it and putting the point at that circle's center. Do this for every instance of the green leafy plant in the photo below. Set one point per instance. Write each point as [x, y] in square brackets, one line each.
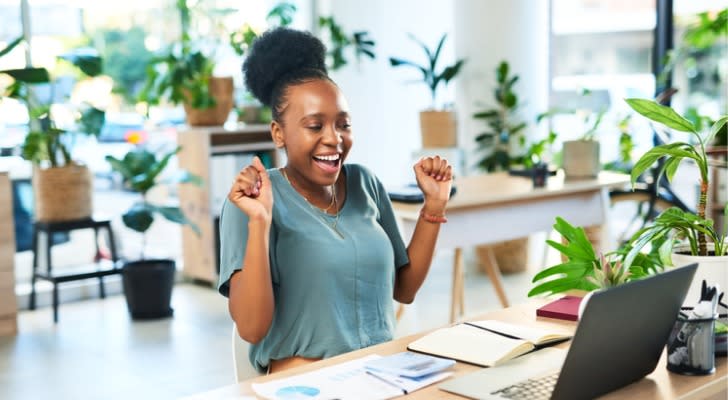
[45, 141]
[503, 124]
[536, 151]
[624, 161]
[706, 30]
[140, 170]
[340, 41]
[430, 76]
[280, 15]
[608, 273]
[587, 271]
[182, 72]
[696, 229]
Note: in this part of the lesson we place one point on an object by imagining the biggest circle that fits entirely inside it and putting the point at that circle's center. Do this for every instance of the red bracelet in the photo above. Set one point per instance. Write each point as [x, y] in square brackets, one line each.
[435, 219]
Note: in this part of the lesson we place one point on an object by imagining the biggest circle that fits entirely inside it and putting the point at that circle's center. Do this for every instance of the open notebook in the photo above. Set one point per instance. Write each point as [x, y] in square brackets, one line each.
[485, 343]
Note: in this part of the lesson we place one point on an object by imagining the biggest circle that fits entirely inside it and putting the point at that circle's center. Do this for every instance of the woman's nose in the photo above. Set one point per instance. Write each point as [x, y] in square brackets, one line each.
[332, 135]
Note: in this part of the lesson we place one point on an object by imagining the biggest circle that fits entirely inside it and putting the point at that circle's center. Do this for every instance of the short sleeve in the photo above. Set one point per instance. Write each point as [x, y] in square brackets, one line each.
[389, 223]
[233, 241]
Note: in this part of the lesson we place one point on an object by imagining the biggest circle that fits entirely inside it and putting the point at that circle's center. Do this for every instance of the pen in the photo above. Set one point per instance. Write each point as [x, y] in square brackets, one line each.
[387, 381]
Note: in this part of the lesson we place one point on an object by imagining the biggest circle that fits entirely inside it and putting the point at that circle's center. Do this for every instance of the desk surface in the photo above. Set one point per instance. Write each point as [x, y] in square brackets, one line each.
[498, 188]
[660, 384]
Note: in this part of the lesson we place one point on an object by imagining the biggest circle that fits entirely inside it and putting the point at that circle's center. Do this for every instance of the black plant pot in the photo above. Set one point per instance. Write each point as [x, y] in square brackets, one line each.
[148, 288]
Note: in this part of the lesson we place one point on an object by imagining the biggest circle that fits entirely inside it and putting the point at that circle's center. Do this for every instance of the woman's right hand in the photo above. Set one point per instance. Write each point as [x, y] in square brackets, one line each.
[252, 192]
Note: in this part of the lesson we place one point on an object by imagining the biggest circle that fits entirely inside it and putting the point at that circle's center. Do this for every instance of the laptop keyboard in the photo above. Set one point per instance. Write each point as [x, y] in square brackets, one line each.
[531, 389]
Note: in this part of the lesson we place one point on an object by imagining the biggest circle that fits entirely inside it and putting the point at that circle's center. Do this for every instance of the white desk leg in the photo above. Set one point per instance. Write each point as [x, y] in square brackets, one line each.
[491, 268]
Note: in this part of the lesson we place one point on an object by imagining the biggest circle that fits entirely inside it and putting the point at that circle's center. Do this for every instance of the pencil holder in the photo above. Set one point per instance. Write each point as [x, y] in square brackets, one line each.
[691, 346]
[540, 174]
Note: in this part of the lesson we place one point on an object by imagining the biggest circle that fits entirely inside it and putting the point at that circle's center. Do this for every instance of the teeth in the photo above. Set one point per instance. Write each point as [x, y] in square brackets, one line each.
[333, 157]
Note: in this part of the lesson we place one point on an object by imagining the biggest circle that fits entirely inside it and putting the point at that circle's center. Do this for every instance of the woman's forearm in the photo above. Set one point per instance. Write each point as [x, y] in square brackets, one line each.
[251, 300]
[420, 251]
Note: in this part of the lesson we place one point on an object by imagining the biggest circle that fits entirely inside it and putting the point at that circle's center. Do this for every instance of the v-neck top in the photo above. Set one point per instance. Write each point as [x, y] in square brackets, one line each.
[332, 294]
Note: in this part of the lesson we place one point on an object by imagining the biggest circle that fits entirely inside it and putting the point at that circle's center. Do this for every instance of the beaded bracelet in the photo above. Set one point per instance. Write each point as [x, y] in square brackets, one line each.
[435, 219]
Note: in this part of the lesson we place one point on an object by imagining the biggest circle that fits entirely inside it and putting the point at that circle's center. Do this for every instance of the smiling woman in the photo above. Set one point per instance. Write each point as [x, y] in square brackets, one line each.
[311, 256]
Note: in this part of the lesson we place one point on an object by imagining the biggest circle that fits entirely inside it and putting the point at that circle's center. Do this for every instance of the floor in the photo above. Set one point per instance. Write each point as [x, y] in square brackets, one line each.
[97, 352]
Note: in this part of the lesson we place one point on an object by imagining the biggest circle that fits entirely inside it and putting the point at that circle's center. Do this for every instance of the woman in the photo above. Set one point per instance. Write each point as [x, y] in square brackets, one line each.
[310, 253]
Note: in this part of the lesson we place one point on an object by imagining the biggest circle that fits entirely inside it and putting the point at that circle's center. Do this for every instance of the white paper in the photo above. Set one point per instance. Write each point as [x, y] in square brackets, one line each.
[345, 381]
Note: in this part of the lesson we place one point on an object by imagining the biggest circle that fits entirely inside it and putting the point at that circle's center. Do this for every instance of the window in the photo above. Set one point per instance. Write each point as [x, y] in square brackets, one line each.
[604, 47]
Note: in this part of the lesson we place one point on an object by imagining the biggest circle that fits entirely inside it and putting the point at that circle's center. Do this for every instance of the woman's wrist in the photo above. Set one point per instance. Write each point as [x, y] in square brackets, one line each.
[259, 222]
[438, 218]
[434, 207]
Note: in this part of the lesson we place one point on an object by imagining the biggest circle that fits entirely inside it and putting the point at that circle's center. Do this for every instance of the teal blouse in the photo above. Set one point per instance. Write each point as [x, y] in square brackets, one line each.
[332, 294]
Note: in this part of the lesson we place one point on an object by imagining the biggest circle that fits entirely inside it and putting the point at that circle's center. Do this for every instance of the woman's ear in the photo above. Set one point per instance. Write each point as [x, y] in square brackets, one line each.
[276, 132]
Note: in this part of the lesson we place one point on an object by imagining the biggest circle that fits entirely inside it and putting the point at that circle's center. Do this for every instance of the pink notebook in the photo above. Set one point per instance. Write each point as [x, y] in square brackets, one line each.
[566, 308]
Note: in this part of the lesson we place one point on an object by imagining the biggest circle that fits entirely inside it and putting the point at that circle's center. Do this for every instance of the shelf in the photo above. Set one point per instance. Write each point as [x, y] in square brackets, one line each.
[200, 145]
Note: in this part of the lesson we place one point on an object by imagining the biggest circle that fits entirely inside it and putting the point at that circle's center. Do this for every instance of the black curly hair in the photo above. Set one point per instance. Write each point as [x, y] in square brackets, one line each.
[279, 58]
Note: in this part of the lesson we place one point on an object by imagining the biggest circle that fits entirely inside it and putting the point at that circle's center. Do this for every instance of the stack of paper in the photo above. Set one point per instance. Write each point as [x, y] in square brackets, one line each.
[345, 381]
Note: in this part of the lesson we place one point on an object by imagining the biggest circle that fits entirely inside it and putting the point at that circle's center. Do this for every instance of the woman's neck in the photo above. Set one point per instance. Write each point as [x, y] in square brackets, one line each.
[320, 196]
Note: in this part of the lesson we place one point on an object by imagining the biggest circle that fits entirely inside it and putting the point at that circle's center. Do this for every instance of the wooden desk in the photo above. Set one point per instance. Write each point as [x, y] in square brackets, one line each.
[496, 207]
[660, 384]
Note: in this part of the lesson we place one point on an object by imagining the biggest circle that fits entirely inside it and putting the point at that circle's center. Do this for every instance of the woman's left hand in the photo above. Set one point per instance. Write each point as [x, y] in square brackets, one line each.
[434, 177]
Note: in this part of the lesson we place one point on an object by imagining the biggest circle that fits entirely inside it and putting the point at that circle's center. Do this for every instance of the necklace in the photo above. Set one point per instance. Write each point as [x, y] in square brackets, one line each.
[319, 211]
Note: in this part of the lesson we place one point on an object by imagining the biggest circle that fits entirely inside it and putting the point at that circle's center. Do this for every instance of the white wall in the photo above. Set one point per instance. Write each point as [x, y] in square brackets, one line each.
[385, 107]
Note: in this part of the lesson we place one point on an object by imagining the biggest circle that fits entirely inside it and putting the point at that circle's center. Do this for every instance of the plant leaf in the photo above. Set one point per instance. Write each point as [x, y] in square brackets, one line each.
[138, 218]
[662, 114]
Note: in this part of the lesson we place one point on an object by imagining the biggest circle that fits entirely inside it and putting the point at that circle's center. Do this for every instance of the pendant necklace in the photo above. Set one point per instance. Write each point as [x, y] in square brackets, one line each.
[319, 211]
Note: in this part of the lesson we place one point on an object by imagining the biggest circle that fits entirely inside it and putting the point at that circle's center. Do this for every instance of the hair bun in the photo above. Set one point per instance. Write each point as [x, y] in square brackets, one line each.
[279, 52]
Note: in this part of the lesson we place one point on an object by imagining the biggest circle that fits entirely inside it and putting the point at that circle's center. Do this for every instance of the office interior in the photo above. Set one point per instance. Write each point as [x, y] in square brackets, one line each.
[559, 49]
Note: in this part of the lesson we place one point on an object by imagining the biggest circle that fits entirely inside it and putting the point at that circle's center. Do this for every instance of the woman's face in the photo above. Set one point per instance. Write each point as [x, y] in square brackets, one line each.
[316, 131]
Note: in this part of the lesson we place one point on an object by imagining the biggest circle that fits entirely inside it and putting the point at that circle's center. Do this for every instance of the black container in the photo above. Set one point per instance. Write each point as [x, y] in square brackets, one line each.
[540, 174]
[691, 346]
[148, 288]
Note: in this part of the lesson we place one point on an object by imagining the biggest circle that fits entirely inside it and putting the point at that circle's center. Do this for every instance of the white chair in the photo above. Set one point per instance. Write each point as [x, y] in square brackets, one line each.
[241, 366]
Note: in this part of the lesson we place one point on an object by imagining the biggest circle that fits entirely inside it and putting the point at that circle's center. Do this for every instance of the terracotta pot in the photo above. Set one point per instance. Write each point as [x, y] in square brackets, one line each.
[581, 159]
[62, 193]
[438, 129]
[221, 90]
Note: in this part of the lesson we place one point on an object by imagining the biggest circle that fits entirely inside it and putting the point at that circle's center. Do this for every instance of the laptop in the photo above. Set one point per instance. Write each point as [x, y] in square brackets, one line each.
[619, 340]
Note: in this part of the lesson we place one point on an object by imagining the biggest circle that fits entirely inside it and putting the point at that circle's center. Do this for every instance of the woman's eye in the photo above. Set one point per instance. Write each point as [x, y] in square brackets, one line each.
[345, 126]
[314, 127]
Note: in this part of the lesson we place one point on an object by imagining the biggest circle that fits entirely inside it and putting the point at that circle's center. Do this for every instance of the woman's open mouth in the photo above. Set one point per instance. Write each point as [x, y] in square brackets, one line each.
[329, 163]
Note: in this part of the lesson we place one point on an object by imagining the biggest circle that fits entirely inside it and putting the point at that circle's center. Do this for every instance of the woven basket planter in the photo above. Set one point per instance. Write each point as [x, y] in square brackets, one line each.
[511, 255]
[62, 193]
[221, 90]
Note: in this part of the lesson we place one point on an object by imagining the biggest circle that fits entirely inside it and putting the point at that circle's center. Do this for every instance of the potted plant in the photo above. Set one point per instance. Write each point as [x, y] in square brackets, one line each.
[62, 187]
[505, 130]
[339, 41]
[248, 108]
[148, 282]
[498, 143]
[580, 157]
[183, 73]
[583, 269]
[700, 240]
[437, 126]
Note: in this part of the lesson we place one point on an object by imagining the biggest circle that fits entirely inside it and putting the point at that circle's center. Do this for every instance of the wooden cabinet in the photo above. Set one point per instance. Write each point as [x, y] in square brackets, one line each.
[8, 303]
[216, 154]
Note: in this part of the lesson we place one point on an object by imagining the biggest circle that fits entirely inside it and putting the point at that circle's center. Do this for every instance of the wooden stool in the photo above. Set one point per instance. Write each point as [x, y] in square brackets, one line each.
[94, 270]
